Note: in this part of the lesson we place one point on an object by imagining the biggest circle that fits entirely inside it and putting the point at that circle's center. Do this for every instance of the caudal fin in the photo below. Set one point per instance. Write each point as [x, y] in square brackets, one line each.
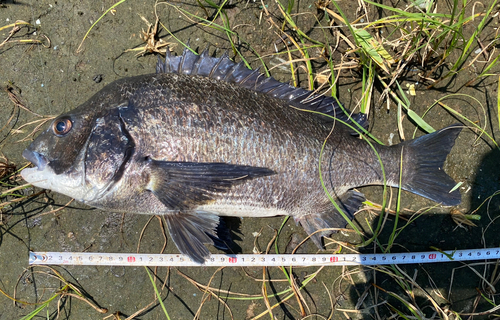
[428, 178]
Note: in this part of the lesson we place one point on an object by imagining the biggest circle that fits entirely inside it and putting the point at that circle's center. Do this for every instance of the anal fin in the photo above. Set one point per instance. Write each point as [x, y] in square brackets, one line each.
[191, 231]
[349, 202]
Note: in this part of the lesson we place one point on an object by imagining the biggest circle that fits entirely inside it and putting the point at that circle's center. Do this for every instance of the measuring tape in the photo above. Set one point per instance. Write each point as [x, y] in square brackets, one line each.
[256, 260]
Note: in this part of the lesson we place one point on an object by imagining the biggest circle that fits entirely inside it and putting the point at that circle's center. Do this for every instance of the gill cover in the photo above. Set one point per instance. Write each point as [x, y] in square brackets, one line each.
[109, 149]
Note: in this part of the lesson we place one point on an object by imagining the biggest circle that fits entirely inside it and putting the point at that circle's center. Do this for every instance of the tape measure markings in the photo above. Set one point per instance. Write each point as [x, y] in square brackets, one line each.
[249, 260]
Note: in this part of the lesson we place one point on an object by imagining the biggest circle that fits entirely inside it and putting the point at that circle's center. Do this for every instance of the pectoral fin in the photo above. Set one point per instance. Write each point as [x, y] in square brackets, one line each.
[190, 231]
[184, 185]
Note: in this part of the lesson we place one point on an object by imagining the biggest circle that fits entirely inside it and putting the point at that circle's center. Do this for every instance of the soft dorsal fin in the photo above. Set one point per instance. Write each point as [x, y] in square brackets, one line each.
[226, 70]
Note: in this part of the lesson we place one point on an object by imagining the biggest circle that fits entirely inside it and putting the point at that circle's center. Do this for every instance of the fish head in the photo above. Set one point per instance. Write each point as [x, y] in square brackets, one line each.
[57, 155]
[83, 153]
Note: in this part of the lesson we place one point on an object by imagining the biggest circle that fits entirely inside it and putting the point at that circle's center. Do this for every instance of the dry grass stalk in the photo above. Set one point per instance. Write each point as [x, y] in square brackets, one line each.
[153, 43]
[16, 27]
[206, 289]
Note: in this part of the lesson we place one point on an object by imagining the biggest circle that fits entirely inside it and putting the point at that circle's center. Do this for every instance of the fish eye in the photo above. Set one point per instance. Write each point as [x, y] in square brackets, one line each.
[62, 126]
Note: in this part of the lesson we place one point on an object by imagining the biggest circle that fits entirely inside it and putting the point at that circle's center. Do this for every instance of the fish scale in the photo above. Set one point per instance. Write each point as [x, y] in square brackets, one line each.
[205, 137]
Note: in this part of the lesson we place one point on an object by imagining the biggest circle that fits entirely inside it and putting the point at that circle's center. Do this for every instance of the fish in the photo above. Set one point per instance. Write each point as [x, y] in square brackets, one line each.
[205, 137]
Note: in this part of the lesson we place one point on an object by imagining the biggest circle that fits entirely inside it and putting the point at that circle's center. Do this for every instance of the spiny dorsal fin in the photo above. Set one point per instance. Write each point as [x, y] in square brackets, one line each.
[225, 69]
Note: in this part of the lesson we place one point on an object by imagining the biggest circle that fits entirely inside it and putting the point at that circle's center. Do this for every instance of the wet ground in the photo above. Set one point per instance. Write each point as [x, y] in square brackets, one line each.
[51, 79]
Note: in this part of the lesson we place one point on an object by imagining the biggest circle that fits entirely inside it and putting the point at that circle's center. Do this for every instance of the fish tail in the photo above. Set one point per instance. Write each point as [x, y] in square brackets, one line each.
[427, 177]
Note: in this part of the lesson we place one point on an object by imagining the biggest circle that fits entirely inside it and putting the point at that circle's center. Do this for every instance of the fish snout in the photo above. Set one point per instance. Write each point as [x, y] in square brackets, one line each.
[36, 158]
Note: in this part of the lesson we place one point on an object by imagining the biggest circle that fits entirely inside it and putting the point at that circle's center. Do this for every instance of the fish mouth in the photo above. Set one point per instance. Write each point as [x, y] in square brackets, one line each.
[36, 158]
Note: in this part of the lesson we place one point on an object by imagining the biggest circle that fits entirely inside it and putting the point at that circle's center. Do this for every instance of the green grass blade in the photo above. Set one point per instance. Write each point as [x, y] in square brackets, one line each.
[394, 233]
[158, 295]
[373, 49]
[412, 114]
[459, 115]
[465, 51]
[93, 25]
[35, 312]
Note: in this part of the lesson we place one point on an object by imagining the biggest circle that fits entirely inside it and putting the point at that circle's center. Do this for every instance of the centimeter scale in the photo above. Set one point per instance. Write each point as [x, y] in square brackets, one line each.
[256, 260]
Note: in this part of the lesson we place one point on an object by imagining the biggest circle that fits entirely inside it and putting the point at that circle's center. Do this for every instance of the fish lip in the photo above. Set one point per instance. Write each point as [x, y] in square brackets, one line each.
[36, 158]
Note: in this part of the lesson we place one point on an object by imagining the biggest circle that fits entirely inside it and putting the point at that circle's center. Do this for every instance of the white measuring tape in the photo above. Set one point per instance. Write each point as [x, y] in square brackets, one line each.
[255, 260]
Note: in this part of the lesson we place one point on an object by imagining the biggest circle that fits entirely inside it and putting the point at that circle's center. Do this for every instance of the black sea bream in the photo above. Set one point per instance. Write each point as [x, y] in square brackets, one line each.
[205, 137]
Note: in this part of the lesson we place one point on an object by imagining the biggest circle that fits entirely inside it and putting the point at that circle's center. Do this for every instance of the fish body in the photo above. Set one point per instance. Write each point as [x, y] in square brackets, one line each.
[205, 137]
